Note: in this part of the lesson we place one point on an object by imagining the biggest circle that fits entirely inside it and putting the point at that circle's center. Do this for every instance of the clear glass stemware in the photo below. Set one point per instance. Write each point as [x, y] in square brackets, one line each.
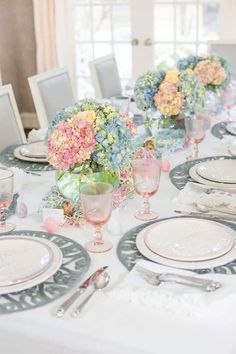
[6, 196]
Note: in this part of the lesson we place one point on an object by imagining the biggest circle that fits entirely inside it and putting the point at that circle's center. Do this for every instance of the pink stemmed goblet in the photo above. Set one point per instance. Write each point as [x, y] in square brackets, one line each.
[146, 175]
[6, 195]
[195, 127]
[228, 99]
[97, 203]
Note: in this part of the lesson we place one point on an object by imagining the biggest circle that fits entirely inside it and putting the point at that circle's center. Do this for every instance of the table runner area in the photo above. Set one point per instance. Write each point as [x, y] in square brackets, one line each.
[128, 253]
[8, 159]
[75, 264]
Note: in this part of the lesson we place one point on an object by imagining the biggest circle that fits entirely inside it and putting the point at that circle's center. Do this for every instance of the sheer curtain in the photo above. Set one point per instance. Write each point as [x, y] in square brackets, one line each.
[53, 21]
[227, 20]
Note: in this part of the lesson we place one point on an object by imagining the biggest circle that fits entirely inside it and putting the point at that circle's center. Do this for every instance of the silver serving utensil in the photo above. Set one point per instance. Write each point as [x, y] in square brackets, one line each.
[160, 276]
[100, 283]
[80, 290]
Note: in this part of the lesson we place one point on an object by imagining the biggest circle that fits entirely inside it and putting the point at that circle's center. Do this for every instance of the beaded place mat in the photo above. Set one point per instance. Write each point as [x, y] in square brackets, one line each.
[8, 159]
[219, 130]
[75, 264]
[179, 175]
[129, 255]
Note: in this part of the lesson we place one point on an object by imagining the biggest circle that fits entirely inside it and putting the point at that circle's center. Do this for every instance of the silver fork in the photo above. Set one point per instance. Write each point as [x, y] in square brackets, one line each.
[189, 278]
[157, 281]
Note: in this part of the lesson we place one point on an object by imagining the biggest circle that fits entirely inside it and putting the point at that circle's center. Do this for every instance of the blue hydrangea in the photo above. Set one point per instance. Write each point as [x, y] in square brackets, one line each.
[145, 88]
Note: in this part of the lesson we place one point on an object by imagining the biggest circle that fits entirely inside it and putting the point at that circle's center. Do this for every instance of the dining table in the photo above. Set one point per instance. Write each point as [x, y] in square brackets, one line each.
[108, 325]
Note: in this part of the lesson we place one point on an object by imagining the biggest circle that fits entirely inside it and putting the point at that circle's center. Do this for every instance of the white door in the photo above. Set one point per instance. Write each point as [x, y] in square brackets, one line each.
[141, 33]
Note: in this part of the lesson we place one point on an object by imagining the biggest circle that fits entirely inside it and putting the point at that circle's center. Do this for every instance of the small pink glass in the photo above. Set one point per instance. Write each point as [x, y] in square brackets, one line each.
[6, 195]
[195, 127]
[228, 99]
[146, 175]
[97, 203]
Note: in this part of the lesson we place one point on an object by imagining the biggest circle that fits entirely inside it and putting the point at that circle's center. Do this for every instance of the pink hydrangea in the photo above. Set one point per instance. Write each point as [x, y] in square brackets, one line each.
[70, 143]
[210, 72]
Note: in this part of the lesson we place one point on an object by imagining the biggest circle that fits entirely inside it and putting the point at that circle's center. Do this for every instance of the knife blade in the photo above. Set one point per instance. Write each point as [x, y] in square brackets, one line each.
[80, 290]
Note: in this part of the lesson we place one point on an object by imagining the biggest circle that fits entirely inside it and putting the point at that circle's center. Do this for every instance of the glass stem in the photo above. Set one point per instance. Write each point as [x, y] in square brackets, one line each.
[98, 236]
[195, 151]
[146, 205]
[2, 218]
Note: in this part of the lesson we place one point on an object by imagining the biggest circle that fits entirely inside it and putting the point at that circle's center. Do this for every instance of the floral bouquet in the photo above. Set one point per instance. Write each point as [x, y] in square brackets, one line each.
[89, 140]
[212, 71]
[172, 93]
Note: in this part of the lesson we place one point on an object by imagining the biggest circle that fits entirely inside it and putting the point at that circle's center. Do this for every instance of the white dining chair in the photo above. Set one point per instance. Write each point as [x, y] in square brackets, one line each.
[51, 91]
[11, 127]
[105, 77]
[226, 49]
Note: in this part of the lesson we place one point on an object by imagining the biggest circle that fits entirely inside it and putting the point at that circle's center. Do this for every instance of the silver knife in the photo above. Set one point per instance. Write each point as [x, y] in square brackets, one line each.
[66, 304]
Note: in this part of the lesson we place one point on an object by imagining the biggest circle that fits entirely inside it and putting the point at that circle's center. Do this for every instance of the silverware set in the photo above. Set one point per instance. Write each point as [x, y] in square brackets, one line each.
[156, 279]
[98, 280]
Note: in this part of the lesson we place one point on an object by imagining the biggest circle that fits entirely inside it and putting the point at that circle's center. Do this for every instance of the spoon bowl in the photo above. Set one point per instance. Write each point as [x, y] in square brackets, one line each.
[99, 283]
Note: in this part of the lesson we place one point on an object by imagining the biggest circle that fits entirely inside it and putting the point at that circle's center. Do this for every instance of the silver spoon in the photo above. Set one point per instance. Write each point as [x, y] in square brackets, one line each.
[205, 209]
[100, 283]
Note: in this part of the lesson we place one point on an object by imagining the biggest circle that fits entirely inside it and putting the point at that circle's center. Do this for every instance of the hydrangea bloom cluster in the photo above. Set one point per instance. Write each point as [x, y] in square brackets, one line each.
[89, 133]
[173, 94]
[212, 71]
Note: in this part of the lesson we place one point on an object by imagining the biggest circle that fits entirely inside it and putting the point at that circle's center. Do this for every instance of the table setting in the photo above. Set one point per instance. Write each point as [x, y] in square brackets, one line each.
[114, 239]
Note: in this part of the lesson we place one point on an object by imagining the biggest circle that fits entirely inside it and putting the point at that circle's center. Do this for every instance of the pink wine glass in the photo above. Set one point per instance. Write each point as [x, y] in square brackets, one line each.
[228, 99]
[6, 195]
[195, 127]
[146, 175]
[97, 203]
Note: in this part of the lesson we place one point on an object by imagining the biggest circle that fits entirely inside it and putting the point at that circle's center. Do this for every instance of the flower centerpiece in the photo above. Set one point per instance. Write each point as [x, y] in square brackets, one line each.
[213, 71]
[173, 93]
[89, 140]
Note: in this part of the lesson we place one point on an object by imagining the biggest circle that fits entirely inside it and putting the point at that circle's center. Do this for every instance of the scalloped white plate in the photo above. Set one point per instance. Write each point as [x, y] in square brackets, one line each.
[196, 177]
[223, 171]
[18, 155]
[219, 261]
[37, 149]
[191, 240]
[231, 128]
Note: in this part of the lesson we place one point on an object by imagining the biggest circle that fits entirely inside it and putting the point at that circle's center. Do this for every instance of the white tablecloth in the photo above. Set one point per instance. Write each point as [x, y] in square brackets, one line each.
[107, 325]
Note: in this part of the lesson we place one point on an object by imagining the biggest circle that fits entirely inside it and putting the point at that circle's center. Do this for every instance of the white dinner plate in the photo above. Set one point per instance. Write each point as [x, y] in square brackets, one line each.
[36, 149]
[18, 155]
[196, 177]
[231, 128]
[219, 261]
[26, 261]
[232, 147]
[223, 171]
[191, 240]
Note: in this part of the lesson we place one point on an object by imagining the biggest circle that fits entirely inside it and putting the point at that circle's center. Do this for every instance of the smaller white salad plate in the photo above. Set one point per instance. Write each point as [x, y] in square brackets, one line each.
[231, 128]
[36, 149]
[221, 171]
[175, 249]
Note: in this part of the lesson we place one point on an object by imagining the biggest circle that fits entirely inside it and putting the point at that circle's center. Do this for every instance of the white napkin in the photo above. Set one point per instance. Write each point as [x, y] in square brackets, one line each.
[193, 194]
[36, 135]
[176, 299]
